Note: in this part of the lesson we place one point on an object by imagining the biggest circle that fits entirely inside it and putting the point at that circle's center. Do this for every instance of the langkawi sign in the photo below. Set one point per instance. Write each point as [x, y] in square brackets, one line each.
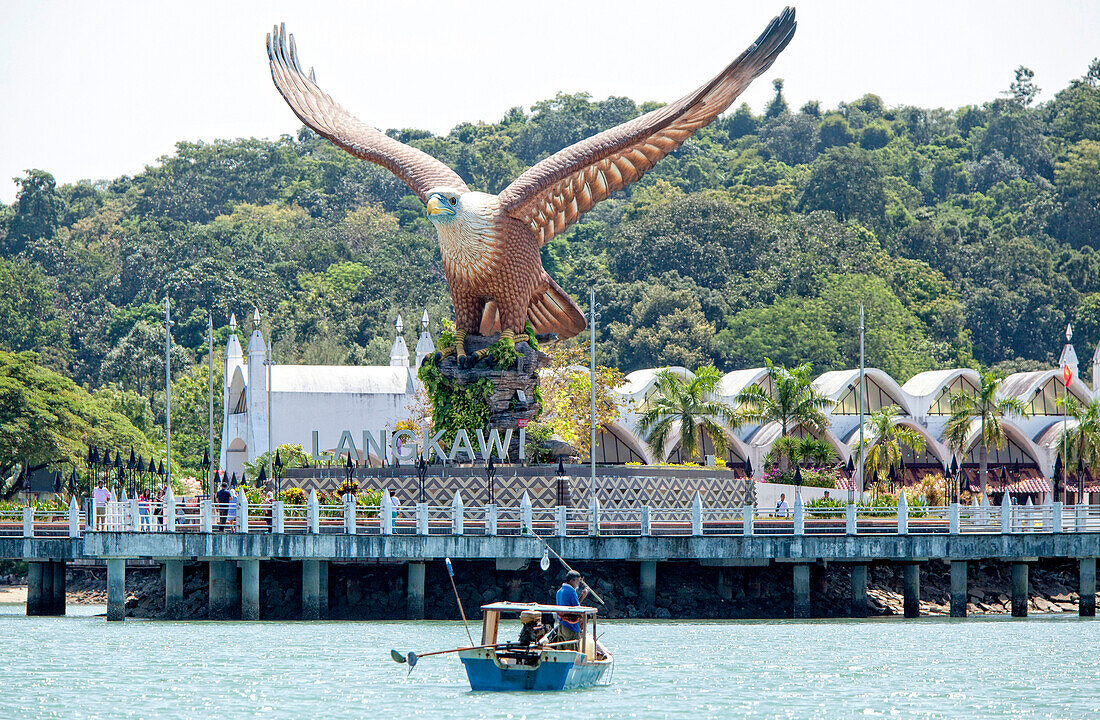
[403, 446]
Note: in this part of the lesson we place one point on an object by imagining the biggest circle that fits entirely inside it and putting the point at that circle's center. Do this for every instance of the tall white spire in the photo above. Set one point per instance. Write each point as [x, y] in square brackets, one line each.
[399, 353]
[424, 345]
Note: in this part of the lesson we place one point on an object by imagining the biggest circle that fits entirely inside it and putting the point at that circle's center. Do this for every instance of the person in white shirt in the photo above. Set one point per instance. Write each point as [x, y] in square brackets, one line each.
[101, 496]
[781, 507]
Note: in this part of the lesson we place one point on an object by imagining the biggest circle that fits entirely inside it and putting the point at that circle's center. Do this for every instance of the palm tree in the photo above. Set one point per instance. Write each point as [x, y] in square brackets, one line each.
[816, 452]
[984, 405]
[797, 403]
[883, 446]
[1081, 442]
[689, 407]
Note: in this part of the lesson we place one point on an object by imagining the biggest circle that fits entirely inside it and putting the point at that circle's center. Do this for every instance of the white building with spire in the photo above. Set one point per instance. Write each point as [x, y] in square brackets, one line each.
[314, 406]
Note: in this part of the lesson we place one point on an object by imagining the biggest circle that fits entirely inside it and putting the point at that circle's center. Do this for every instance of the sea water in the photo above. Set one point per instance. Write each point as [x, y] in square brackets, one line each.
[81, 667]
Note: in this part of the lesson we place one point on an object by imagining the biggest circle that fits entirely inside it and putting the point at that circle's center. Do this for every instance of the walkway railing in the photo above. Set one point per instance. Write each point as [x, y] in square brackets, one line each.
[390, 518]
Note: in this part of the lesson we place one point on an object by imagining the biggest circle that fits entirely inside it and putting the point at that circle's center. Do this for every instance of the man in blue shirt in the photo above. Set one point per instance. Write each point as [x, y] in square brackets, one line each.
[569, 627]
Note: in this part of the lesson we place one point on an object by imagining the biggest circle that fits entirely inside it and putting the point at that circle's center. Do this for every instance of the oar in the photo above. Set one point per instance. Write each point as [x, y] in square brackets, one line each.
[413, 658]
[559, 557]
[451, 574]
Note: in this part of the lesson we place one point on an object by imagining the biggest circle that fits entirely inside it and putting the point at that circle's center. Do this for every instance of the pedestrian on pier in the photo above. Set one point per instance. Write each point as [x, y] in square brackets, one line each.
[782, 507]
[223, 497]
[101, 496]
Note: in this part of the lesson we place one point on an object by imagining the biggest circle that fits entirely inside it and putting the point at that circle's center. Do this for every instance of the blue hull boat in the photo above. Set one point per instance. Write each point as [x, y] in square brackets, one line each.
[493, 669]
[542, 665]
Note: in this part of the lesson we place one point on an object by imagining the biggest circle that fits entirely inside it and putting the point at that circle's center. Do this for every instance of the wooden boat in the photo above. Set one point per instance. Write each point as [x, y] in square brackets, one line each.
[500, 665]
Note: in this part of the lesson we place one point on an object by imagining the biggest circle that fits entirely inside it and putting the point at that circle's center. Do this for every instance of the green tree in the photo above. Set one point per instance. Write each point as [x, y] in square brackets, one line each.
[986, 407]
[47, 418]
[38, 210]
[796, 403]
[1081, 443]
[688, 408]
[848, 181]
[1077, 184]
[777, 106]
[834, 131]
[883, 442]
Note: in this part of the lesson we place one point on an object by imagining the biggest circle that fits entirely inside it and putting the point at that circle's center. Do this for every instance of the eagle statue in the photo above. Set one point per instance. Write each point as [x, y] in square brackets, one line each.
[490, 243]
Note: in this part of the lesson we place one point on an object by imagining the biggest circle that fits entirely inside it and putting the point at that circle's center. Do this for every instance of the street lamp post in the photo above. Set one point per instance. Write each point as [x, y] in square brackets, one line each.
[593, 317]
[278, 473]
[859, 399]
[490, 479]
[167, 391]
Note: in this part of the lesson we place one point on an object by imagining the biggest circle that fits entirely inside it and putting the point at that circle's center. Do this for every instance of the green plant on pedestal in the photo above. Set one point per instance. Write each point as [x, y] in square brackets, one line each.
[456, 406]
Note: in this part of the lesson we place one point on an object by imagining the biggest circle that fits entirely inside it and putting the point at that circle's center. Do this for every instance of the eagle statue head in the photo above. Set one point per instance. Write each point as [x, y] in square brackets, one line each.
[444, 204]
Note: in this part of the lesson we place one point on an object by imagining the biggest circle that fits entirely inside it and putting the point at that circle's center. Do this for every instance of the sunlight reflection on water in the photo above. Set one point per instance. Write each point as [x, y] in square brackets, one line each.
[80, 667]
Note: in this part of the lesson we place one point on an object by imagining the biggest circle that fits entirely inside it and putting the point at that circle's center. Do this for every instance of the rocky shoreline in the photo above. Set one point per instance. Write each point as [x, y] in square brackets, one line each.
[684, 590]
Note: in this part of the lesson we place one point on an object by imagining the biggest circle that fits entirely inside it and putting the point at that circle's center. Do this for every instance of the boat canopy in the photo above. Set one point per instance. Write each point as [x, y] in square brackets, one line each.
[520, 607]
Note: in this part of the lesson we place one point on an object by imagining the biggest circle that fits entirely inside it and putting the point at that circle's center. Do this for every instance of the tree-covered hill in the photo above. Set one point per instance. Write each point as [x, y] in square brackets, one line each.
[971, 235]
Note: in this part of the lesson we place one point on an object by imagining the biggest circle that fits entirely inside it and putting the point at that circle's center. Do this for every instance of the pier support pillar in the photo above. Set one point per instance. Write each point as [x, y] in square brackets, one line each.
[647, 583]
[414, 599]
[958, 588]
[859, 591]
[173, 589]
[801, 588]
[35, 601]
[323, 595]
[58, 588]
[725, 587]
[1019, 589]
[250, 589]
[1086, 601]
[223, 600]
[47, 599]
[911, 598]
[311, 590]
[116, 589]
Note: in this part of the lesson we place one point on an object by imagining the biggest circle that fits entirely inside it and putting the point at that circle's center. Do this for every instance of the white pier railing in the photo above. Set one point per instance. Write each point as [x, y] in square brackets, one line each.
[457, 518]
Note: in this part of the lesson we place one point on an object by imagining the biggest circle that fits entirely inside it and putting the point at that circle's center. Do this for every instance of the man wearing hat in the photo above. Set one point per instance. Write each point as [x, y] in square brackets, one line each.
[569, 624]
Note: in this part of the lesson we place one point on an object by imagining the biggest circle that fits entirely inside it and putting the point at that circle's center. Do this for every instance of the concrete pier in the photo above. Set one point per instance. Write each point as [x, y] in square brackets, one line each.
[959, 588]
[250, 589]
[223, 597]
[35, 601]
[173, 589]
[859, 591]
[801, 587]
[911, 590]
[647, 582]
[58, 588]
[1086, 601]
[414, 600]
[1019, 589]
[311, 590]
[116, 589]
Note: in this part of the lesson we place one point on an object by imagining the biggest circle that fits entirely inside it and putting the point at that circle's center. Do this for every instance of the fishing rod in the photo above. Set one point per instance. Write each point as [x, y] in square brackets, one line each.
[567, 567]
[451, 573]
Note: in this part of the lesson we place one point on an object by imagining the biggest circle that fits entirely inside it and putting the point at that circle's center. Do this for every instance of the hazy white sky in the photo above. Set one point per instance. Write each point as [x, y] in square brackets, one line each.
[99, 89]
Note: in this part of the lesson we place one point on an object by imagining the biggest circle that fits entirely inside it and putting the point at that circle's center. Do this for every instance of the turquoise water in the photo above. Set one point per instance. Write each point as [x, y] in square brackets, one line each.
[82, 668]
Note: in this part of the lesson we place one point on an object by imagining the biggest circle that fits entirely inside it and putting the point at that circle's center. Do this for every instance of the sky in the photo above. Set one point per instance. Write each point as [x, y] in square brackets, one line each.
[94, 90]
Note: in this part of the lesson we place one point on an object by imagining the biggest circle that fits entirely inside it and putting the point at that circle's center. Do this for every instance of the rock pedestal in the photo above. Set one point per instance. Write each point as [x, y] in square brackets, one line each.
[513, 397]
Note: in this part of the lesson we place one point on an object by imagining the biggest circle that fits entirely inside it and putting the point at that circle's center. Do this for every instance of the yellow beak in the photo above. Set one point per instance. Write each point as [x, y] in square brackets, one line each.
[436, 207]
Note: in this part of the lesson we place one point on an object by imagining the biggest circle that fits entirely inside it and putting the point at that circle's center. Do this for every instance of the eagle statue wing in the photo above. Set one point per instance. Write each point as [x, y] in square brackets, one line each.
[553, 194]
[314, 107]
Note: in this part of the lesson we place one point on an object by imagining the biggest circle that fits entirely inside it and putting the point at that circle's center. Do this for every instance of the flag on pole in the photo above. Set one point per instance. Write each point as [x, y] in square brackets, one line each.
[1067, 374]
